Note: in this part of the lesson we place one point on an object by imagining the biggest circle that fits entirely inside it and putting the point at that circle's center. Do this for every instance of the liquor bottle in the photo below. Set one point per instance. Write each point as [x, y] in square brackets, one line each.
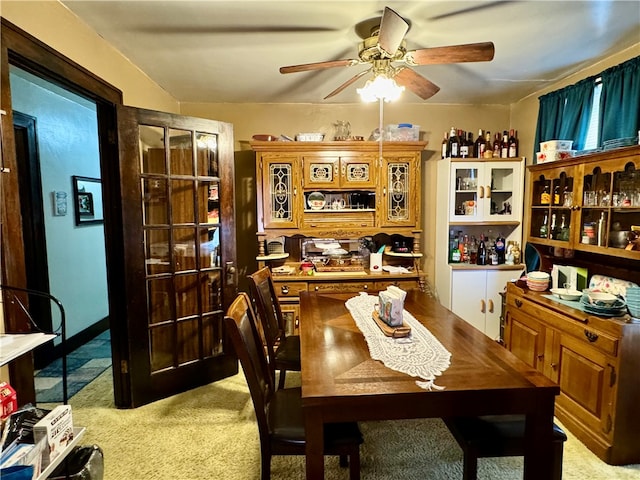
[545, 197]
[464, 146]
[497, 146]
[480, 145]
[556, 195]
[564, 230]
[504, 147]
[553, 229]
[488, 147]
[456, 254]
[601, 224]
[473, 250]
[544, 229]
[452, 147]
[465, 249]
[445, 143]
[453, 245]
[482, 252]
[513, 144]
[493, 257]
[471, 145]
[500, 249]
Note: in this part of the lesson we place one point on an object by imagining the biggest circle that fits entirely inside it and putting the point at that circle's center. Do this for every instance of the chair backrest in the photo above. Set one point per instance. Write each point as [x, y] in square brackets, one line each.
[264, 294]
[240, 324]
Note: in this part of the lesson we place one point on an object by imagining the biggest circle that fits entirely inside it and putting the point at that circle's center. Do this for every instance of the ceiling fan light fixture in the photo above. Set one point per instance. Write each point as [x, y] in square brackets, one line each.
[380, 88]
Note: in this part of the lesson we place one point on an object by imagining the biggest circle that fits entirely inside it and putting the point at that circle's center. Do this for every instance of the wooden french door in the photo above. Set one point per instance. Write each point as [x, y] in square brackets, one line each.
[176, 179]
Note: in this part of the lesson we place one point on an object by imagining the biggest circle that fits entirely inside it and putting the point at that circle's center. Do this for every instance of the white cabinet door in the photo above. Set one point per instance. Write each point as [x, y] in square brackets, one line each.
[486, 191]
[496, 282]
[468, 292]
[475, 297]
[503, 187]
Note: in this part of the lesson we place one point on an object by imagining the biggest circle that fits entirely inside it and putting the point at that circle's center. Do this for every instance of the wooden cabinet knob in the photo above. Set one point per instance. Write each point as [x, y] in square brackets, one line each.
[490, 306]
[482, 306]
[518, 303]
[488, 191]
[285, 290]
[481, 191]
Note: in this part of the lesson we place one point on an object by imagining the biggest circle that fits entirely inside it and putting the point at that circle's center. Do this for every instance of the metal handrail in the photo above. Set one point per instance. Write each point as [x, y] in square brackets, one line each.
[63, 326]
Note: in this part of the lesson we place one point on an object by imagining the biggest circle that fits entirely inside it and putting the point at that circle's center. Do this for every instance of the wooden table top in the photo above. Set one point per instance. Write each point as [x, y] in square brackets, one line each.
[337, 367]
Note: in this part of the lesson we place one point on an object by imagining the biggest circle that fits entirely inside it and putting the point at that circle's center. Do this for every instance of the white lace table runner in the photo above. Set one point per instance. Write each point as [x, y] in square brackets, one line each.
[419, 355]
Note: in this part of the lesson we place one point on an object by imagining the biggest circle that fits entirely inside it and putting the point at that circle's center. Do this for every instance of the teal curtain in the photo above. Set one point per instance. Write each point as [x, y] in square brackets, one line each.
[549, 118]
[565, 114]
[620, 101]
[577, 112]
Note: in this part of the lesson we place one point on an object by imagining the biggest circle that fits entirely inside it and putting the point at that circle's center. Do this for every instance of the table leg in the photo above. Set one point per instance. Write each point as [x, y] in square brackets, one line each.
[314, 432]
[538, 457]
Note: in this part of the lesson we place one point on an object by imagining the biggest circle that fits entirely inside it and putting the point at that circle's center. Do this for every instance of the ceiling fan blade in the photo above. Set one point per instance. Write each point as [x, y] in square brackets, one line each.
[416, 83]
[305, 67]
[471, 52]
[393, 28]
[346, 84]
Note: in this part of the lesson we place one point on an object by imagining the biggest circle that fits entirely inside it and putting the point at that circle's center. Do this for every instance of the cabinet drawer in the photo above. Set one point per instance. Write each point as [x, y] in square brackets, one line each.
[342, 287]
[579, 330]
[290, 289]
[403, 284]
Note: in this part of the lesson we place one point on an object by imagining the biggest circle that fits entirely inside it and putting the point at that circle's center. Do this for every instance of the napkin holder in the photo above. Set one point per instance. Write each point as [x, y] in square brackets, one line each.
[391, 302]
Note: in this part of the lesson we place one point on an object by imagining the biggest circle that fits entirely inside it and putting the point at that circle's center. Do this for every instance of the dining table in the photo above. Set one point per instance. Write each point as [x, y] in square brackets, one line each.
[341, 382]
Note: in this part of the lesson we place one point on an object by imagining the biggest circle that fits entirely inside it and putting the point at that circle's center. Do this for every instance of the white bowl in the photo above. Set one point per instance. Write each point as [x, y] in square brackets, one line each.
[601, 298]
[538, 276]
[567, 294]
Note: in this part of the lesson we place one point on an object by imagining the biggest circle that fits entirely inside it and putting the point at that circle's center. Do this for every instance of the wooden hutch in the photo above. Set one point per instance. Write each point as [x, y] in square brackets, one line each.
[358, 194]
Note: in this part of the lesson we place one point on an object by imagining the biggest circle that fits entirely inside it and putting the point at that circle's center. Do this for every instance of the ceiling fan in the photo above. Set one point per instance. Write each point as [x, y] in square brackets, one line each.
[386, 46]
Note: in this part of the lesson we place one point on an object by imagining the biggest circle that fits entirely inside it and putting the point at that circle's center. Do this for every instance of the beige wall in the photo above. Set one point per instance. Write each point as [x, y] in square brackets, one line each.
[53, 24]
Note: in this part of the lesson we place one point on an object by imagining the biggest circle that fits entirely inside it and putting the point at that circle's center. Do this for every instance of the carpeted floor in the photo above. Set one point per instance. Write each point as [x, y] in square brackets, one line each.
[210, 433]
[83, 365]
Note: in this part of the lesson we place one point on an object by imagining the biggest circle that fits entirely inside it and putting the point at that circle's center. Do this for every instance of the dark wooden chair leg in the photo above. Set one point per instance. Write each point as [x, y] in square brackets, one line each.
[283, 374]
[354, 465]
[470, 464]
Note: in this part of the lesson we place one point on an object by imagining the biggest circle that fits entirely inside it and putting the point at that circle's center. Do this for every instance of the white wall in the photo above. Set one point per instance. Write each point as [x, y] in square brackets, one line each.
[66, 129]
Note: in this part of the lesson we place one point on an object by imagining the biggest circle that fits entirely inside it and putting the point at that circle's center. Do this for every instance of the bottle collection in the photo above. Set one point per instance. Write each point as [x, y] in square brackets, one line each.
[464, 248]
[555, 231]
[460, 144]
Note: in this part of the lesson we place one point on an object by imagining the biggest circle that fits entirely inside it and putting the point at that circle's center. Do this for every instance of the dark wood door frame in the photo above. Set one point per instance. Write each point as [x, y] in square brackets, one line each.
[35, 242]
[21, 49]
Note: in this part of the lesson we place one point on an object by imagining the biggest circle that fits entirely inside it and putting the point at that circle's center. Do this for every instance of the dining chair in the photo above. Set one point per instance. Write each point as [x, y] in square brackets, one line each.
[283, 350]
[497, 436]
[279, 412]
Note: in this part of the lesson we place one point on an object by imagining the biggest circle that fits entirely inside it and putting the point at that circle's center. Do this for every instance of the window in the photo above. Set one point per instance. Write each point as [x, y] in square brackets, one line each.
[591, 142]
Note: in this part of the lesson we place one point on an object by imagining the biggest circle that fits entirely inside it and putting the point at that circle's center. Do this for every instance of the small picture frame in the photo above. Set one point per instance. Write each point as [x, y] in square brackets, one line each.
[85, 204]
[87, 193]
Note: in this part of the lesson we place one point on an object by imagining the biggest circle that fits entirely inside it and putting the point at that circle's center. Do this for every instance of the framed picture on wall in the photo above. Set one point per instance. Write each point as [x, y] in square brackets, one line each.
[87, 193]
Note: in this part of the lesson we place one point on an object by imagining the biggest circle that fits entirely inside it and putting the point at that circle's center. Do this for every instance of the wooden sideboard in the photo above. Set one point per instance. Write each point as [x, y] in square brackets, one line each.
[594, 360]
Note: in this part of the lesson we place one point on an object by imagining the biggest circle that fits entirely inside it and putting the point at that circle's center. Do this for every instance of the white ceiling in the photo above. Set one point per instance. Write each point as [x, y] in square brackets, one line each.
[230, 51]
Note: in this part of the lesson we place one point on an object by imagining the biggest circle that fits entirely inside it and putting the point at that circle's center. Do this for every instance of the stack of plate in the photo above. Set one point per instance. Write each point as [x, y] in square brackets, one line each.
[619, 142]
[538, 281]
[633, 301]
[615, 309]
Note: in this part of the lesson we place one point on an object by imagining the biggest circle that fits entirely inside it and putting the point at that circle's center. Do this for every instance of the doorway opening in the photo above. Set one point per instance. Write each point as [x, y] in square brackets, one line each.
[56, 134]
